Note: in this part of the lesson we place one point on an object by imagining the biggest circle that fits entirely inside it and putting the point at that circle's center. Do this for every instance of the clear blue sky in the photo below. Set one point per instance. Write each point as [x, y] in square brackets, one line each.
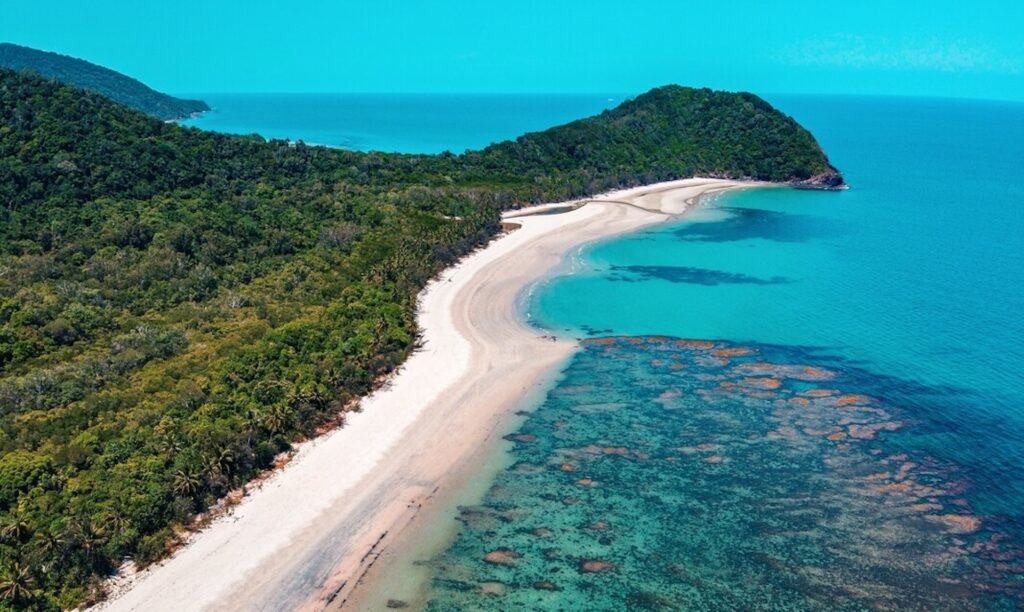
[963, 48]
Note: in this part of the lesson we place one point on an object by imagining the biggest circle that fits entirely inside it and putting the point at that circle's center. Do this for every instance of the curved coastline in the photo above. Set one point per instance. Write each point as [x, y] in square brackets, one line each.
[322, 532]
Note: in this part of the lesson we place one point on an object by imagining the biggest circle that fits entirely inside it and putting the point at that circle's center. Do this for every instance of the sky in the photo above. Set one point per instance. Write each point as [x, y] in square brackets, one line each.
[971, 49]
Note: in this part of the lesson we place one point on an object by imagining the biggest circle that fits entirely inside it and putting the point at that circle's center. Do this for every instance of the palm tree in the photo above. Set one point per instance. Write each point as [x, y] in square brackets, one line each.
[49, 546]
[278, 419]
[170, 443]
[115, 522]
[221, 462]
[332, 375]
[17, 584]
[17, 529]
[88, 537]
[312, 395]
[187, 482]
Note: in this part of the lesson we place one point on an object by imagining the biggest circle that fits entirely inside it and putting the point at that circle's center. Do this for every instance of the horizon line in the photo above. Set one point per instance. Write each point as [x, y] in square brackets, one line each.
[623, 95]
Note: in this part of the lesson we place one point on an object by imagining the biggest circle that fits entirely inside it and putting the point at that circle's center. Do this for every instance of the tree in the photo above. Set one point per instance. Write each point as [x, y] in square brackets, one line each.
[18, 585]
[278, 420]
[187, 482]
[17, 529]
[90, 539]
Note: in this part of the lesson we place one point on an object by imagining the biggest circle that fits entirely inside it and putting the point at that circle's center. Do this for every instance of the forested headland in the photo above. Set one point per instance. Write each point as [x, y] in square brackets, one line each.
[178, 307]
[86, 75]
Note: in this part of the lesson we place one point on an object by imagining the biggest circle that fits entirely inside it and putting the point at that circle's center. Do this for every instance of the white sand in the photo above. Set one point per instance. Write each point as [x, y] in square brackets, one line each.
[310, 532]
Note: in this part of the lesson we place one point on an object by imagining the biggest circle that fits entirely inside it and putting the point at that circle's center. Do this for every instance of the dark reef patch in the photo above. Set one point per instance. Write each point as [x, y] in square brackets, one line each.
[689, 275]
[758, 224]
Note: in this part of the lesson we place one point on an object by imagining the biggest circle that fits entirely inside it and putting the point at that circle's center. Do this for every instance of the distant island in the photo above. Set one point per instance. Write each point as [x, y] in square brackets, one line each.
[85, 75]
[178, 307]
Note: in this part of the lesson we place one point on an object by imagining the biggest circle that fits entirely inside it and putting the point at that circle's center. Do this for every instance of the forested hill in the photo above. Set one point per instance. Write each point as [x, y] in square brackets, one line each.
[114, 85]
[674, 132]
[177, 307]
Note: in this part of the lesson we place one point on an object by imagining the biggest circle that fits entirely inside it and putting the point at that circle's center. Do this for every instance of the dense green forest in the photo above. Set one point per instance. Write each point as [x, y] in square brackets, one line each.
[178, 307]
[668, 133]
[86, 75]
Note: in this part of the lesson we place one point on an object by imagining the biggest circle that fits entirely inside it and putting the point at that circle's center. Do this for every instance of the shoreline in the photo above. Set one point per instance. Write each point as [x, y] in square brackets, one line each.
[432, 529]
[322, 531]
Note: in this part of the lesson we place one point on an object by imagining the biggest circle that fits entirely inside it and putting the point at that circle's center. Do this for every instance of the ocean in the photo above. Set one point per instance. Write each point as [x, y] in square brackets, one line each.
[407, 123]
[784, 400]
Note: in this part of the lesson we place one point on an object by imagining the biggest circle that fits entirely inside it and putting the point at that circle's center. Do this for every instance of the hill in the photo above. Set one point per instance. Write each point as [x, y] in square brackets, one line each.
[85, 75]
[177, 307]
[673, 132]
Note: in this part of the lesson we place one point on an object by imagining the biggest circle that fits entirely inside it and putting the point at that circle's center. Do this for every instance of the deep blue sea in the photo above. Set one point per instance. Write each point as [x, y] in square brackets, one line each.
[785, 399]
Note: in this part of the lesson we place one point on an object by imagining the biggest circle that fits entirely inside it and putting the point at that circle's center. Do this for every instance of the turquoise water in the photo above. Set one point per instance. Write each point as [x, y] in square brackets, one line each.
[395, 123]
[853, 437]
[667, 474]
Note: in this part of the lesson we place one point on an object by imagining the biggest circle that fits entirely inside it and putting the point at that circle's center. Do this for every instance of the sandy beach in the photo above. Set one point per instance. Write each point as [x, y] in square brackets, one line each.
[307, 536]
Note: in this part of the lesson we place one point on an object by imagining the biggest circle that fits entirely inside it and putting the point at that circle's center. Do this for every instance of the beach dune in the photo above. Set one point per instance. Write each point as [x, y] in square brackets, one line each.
[309, 536]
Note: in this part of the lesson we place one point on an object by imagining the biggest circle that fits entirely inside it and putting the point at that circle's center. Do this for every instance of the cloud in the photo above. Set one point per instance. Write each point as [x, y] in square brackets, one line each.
[931, 55]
